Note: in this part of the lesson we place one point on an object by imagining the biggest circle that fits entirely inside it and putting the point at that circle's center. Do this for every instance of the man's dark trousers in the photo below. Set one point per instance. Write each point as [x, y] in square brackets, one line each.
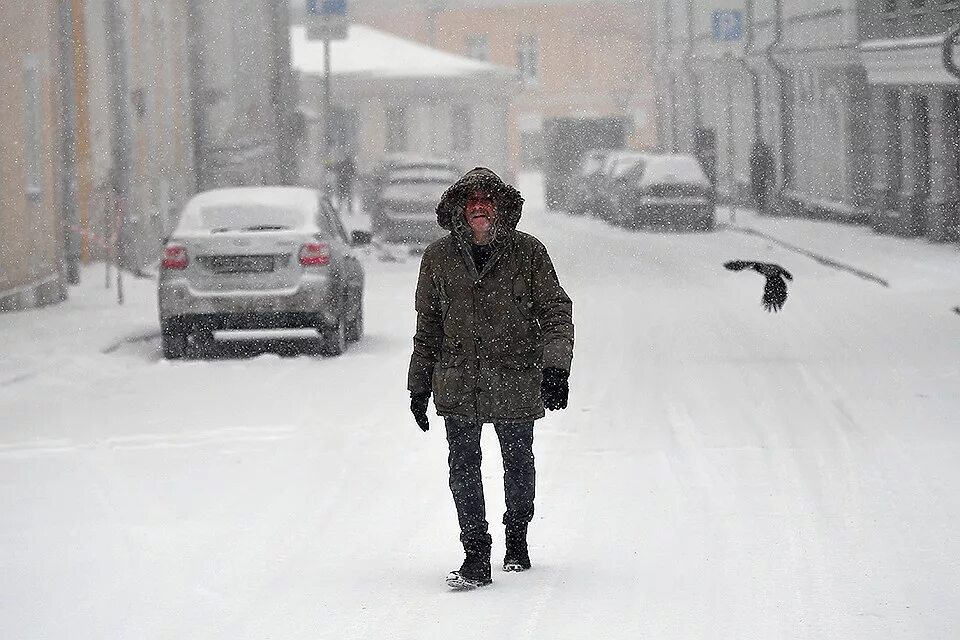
[519, 478]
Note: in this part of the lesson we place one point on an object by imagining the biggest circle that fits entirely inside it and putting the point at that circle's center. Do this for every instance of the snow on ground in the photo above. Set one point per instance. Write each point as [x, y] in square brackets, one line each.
[908, 264]
[68, 339]
[720, 473]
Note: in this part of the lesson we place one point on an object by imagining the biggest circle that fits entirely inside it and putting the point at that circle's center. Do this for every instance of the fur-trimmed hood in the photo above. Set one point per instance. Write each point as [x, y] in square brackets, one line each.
[508, 201]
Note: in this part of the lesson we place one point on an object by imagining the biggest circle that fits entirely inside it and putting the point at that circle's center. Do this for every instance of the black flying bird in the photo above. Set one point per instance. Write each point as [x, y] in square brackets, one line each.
[775, 290]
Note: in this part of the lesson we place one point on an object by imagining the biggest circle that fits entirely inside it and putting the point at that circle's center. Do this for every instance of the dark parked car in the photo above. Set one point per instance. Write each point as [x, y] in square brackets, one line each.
[666, 191]
[617, 165]
[405, 193]
[583, 193]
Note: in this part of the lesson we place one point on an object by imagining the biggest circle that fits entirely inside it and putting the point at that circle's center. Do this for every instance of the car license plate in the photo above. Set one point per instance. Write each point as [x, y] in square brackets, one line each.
[241, 264]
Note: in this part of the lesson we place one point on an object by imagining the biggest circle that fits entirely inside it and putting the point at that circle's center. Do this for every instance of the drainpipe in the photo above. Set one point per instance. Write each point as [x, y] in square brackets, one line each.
[754, 75]
[691, 73]
[195, 44]
[68, 143]
[668, 27]
[786, 109]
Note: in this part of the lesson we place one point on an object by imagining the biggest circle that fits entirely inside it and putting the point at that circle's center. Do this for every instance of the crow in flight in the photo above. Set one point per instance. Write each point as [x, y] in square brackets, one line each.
[775, 290]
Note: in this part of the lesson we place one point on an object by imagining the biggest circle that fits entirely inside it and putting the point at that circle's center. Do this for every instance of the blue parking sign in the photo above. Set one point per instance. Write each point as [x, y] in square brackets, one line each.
[327, 7]
[727, 26]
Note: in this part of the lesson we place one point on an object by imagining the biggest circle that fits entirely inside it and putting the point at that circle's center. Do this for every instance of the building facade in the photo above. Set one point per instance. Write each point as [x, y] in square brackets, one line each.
[391, 95]
[135, 143]
[857, 99]
[32, 270]
[117, 113]
[584, 68]
[787, 75]
[915, 115]
[245, 100]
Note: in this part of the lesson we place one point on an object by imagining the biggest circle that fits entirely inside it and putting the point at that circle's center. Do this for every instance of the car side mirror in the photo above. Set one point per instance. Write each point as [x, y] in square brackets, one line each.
[360, 238]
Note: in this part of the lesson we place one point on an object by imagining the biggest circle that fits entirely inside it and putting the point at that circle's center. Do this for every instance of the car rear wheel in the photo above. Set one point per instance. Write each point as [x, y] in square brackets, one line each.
[355, 328]
[173, 344]
[200, 343]
[335, 338]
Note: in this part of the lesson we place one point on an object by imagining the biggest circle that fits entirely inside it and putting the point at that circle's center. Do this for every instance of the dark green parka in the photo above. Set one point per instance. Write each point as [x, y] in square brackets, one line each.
[484, 338]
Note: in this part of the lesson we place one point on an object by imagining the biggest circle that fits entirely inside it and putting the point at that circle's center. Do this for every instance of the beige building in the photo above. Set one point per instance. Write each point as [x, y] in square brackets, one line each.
[585, 68]
[31, 232]
[158, 110]
[206, 104]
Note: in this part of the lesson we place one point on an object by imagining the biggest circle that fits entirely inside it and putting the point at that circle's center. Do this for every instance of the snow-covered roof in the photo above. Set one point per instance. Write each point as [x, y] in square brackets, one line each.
[371, 52]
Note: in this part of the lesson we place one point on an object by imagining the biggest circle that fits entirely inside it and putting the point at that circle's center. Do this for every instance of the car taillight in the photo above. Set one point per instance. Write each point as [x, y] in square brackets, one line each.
[314, 254]
[175, 257]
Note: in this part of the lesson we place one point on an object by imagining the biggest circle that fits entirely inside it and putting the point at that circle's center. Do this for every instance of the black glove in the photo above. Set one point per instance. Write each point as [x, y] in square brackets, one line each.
[418, 407]
[554, 389]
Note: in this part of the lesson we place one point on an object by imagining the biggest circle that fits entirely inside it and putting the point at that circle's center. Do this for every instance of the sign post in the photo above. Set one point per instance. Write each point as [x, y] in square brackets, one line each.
[728, 29]
[328, 21]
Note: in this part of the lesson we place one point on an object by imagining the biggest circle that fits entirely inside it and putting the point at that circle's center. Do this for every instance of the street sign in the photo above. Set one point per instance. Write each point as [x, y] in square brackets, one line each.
[327, 29]
[327, 19]
[327, 7]
[727, 26]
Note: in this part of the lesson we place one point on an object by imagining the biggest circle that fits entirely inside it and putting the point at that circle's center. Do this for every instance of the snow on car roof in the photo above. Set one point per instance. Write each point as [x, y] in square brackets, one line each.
[673, 168]
[297, 197]
[289, 207]
[371, 52]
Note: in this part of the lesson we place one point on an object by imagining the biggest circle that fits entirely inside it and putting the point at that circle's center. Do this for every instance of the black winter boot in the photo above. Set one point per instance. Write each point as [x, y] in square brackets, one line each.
[517, 557]
[473, 573]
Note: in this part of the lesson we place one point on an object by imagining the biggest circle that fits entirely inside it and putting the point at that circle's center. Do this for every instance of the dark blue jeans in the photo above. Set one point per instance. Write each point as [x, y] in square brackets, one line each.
[519, 478]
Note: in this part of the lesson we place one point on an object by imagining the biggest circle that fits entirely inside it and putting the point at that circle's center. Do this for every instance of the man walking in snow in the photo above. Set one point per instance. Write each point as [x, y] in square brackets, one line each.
[346, 172]
[494, 344]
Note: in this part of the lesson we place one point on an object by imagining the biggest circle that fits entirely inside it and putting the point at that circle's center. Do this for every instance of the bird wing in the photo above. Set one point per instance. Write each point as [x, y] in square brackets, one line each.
[737, 265]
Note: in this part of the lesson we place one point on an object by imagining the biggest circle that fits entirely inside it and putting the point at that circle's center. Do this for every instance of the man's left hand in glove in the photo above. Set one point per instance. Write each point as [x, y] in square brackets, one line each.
[555, 389]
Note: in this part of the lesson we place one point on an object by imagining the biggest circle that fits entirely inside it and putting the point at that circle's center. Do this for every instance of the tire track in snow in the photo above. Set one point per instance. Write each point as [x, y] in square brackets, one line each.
[825, 261]
[149, 441]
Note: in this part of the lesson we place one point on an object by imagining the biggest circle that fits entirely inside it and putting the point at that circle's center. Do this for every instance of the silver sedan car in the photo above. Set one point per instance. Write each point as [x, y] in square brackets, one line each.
[260, 258]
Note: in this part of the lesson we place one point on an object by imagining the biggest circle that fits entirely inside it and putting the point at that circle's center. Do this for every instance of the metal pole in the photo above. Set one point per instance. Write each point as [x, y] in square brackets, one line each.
[122, 144]
[197, 91]
[694, 79]
[82, 124]
[784, 99]
[326, 104]
[730, 142]
[68, 175]
[754, 75]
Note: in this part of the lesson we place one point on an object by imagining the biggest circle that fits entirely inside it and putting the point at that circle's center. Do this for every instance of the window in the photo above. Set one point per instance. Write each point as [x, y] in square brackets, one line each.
[528, 59]
[478, 46]
[32, 129]
[461, 129]
[396, 129]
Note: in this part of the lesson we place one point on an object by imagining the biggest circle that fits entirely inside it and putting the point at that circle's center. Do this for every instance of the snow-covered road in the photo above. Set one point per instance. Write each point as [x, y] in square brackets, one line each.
[721, 473]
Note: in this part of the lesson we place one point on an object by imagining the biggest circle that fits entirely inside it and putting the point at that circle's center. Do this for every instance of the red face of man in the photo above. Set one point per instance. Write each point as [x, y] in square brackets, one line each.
[481, 214]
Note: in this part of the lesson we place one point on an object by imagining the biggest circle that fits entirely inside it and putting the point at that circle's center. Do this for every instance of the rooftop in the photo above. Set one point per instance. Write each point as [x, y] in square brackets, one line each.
[370, 52]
